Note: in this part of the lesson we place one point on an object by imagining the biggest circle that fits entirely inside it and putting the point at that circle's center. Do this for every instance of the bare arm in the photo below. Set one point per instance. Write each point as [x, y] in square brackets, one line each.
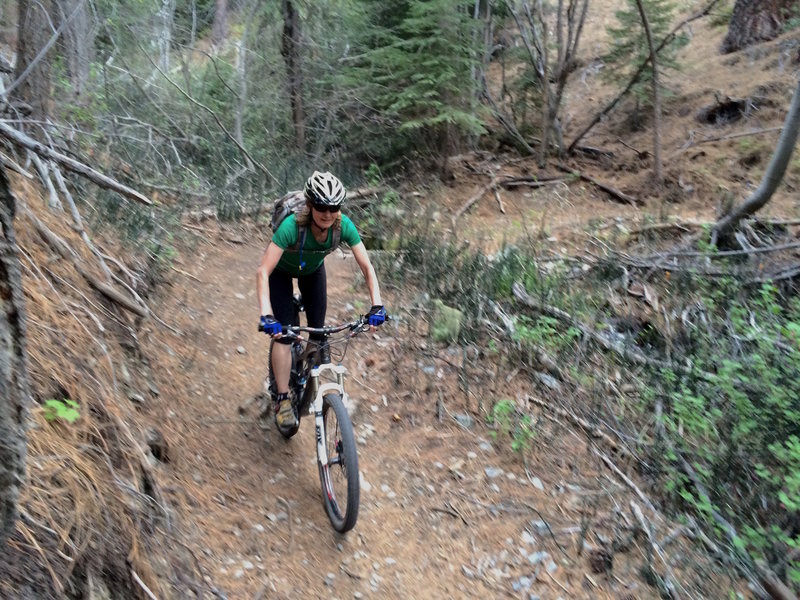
[269, 260]
[360, 254]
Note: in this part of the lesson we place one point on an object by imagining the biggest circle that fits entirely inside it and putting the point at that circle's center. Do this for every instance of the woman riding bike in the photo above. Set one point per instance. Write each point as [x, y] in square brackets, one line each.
[297, 251]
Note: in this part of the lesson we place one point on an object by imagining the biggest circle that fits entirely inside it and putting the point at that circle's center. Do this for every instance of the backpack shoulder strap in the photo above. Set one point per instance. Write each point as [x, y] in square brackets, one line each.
[301, 239]
[336, 238]
[302, 231]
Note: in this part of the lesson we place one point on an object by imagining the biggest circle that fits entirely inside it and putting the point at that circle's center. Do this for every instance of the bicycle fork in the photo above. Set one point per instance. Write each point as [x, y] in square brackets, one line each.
[315, 408]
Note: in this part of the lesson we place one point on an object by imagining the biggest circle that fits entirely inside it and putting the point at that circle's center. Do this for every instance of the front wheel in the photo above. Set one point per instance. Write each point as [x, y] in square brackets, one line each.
[339, 476]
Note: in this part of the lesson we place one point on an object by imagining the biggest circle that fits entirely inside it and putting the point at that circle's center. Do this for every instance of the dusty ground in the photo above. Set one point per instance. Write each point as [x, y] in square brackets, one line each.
[446, 511]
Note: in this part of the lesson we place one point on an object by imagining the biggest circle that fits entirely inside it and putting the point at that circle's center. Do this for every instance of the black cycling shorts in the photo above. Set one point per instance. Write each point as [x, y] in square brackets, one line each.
[313, 290]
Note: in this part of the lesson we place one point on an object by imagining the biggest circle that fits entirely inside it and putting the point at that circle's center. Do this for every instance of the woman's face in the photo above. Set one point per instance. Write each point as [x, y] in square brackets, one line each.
[323, 217]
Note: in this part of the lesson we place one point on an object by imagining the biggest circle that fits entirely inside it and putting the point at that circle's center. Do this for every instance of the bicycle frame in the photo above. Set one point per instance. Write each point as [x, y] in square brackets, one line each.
[317, 387]
[316, 391]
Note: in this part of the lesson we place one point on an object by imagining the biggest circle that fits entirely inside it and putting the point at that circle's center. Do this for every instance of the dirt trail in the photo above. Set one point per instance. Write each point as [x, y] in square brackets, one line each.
[444, 512]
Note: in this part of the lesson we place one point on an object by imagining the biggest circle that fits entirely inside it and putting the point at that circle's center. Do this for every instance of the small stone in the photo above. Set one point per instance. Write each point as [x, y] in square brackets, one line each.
[258, 527]
[136, 398]
[540, 527]
[492, 472]
[248, 566]
[549, 381]
[472, 455]
[528, 538]
[238, 574]
[241, 350]
[536, 557]
[464, 420]
[329, 579]
[467, 572]
[537, 483]
[126, 376]
[240, 296]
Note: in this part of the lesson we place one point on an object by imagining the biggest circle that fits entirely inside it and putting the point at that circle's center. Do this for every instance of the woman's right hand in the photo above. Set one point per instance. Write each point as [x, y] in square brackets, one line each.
[269, 325]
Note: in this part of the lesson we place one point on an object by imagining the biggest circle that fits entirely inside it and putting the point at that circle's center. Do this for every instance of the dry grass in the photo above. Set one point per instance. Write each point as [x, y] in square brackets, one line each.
[92, 514]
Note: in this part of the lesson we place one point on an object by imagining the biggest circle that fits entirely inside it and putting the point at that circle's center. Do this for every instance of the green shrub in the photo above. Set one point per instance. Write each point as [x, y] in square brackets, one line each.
[61, 410]
[736, 418]
[510, 422]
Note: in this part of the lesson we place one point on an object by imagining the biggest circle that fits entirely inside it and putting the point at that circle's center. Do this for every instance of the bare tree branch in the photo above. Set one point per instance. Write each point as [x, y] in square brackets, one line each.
[772, 176]
[22, 140]
[66, 252]
[199, 104]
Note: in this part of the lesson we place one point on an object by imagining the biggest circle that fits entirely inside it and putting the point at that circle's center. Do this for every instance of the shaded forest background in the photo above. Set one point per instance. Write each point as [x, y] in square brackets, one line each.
[132, 119]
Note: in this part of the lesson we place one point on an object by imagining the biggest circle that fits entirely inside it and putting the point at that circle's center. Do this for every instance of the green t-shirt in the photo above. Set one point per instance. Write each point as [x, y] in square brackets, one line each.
[312, 253]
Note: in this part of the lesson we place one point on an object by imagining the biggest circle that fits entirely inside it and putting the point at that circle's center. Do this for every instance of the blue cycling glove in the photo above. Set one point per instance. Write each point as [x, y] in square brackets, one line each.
[269, 325]
[376, 316]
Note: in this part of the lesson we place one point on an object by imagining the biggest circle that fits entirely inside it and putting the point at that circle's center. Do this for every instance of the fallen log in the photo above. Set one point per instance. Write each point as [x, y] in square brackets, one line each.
[611, 191]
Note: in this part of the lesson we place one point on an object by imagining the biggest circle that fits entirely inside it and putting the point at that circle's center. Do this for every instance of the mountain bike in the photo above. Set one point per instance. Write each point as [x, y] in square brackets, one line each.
[316, 387]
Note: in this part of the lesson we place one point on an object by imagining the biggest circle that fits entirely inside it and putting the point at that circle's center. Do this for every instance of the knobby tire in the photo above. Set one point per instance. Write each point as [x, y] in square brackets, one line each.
[339, 478]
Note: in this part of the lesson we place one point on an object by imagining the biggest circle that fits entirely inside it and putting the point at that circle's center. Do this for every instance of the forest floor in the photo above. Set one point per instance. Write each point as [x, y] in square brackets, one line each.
[447, 511]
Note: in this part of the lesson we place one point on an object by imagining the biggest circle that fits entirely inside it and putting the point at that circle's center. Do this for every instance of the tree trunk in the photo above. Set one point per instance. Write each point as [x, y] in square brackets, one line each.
[772, 176]
[166, 16]
[219, 30]
[14, 390]
[657, 172]
[754, 21]
[290, 49]
[77, 43]
[241, 71]
[35, 27]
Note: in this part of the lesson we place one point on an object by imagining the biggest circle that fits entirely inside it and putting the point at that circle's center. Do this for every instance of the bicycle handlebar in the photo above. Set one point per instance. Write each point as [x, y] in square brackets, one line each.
[355, 327]
[358, 326]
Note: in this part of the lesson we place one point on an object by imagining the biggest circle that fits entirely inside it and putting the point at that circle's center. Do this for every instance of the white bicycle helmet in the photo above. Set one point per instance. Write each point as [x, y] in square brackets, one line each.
[324, 188]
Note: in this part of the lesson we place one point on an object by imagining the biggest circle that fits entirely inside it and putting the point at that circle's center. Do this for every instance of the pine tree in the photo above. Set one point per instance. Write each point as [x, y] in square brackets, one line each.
[629, 46]
[419, 70]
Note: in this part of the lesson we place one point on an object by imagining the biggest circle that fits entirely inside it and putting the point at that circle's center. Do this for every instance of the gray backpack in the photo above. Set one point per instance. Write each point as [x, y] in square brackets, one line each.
[293, 203]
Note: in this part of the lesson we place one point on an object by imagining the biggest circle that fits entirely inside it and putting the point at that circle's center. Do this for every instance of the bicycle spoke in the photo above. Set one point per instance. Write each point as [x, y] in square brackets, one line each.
[339, 476]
